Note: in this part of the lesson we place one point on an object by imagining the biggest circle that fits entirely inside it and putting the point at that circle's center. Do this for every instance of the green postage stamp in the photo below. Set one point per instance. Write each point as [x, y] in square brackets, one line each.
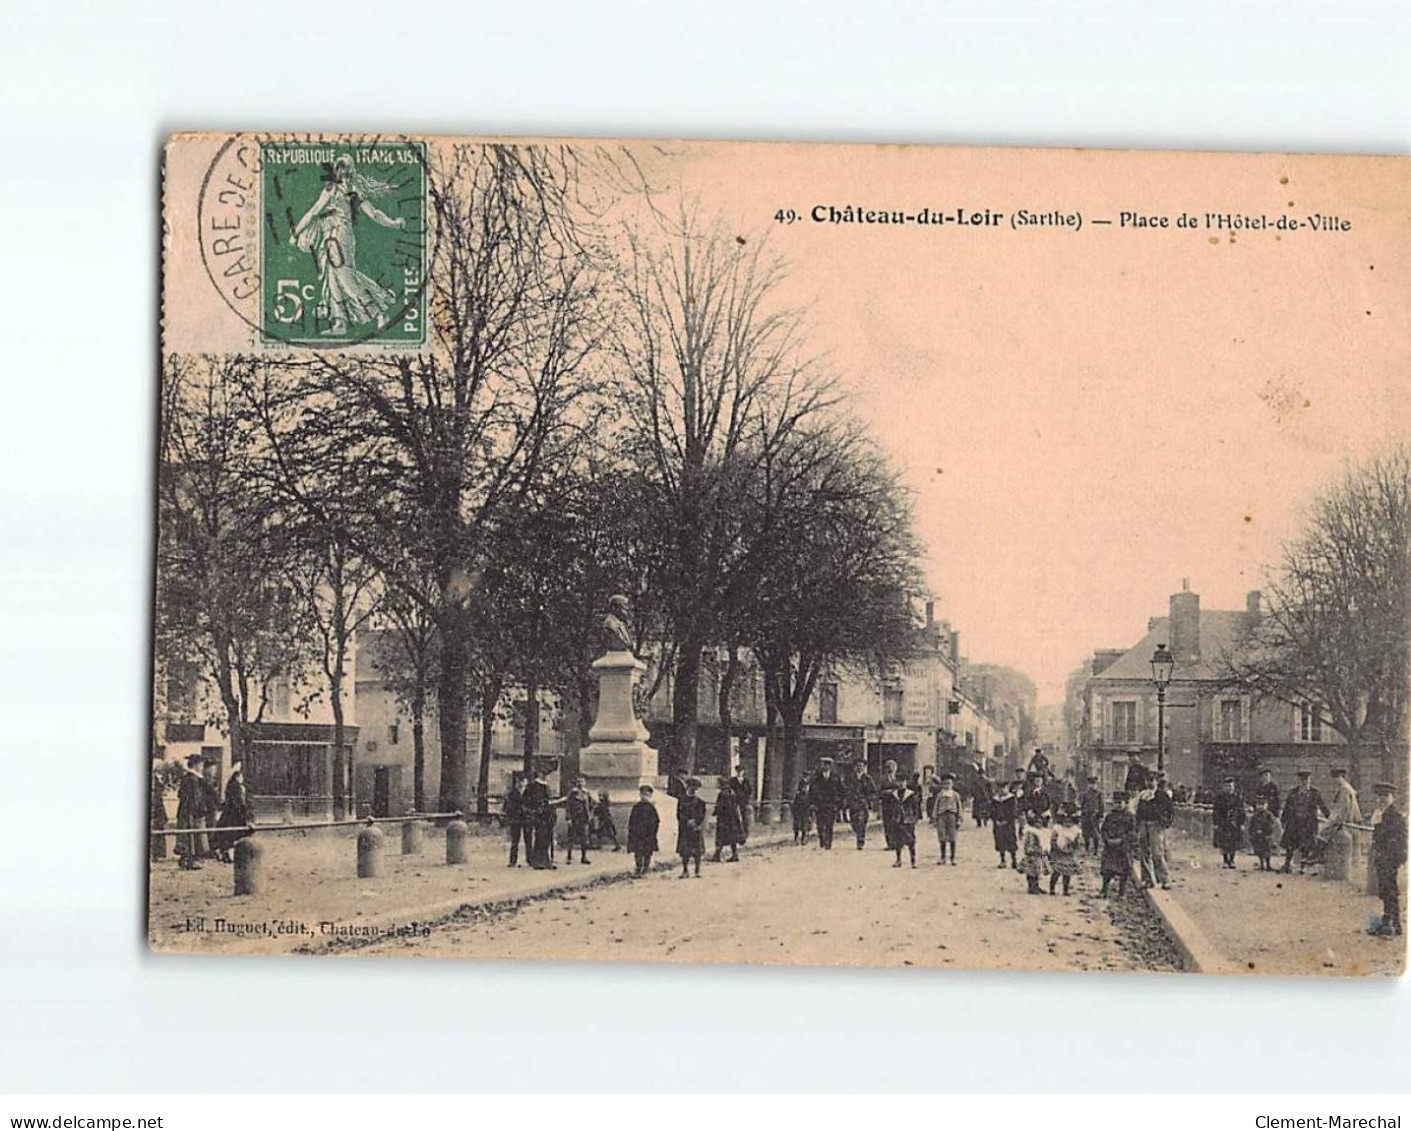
[343, 242]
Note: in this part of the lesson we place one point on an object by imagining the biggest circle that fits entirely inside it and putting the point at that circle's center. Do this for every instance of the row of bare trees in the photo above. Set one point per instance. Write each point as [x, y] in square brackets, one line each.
[608, 407]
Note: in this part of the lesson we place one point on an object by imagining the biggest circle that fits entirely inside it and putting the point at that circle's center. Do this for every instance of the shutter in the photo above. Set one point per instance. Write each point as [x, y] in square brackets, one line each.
[1141, 721]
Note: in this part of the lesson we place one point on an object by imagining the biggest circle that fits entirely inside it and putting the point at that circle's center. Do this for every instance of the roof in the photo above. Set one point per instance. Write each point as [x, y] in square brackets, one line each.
[1220, 630]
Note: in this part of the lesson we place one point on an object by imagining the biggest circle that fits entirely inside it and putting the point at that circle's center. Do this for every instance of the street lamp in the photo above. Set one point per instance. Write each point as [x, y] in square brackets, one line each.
[1162, 665]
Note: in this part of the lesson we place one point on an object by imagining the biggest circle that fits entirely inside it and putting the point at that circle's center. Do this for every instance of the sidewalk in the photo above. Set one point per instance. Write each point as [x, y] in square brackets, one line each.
[1254, 922]
[312, 897]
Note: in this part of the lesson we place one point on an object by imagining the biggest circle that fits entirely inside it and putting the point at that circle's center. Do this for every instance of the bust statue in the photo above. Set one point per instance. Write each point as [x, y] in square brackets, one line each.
[617, 625]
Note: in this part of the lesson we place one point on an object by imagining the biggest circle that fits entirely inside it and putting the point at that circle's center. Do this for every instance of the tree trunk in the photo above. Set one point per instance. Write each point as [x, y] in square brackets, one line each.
[773, 789]
[489, 699]
[341, 800]
[727, 717]
[684, 698]
[531, 724]
[793, 729]
[419, 754]
[451, 710]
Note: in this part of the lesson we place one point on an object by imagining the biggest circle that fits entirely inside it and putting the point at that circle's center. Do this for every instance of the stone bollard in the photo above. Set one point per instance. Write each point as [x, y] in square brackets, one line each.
[411, 837]
[286, 814]
[370, 852]
[1337, 855]
[785, 812]
[249, 866]
[765, 816]
[455, 841]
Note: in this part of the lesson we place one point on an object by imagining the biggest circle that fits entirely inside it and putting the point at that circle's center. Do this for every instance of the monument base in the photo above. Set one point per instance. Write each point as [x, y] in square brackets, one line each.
[621, 769]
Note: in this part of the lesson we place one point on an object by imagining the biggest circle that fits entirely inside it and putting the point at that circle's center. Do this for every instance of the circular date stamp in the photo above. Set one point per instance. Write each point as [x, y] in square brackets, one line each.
[319, 241]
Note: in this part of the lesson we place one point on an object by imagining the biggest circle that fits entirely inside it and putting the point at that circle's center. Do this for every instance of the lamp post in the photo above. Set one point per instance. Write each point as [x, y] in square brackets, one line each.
[1162, 664]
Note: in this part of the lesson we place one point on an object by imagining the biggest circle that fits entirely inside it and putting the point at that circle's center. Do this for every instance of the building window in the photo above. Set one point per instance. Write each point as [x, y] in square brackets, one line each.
[892, 705]
[1310, 722]
[1124, 722]
[394, 732]
[827, 702]
[1231, 720]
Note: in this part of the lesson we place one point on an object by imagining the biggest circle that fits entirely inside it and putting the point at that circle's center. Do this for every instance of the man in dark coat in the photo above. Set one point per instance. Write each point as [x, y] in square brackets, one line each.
[642, 826]
[191, 802]
[861, 791]
[729, 825]
[1301, 810]
[1092, 807]
[827, 798]
[157, 810]
[980, 803]
[537, 811]
[888, 800]
[1228, 817]
[744, 794]
[514, 820]
[578, 807]
[1388, 855]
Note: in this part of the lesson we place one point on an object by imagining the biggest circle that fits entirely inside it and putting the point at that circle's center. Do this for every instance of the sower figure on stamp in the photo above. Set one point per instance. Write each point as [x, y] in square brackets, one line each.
[1228, 817]
[1388, 855]
[861, 790]
[1302, 808]
[729, 826]
[826, 798]
[326, 231]
[642, 826]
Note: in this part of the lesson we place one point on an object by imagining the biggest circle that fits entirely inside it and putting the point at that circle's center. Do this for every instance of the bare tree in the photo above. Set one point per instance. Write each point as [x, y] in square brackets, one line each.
[221, 596]
[446, 441]
[1333, 637]
[714, 379]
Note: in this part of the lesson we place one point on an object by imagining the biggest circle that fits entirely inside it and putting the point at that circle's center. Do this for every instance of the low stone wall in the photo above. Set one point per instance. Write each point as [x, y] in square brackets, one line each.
[1198, 822]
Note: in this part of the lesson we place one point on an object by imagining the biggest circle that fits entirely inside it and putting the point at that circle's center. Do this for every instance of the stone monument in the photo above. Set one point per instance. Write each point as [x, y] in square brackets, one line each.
[618, 758]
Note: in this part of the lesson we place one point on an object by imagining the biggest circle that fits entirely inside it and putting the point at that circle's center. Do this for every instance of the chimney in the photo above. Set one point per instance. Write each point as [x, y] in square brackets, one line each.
[954, 647]
[1185, 624]
[1251, 607]
[1104, 658]
[930, 614]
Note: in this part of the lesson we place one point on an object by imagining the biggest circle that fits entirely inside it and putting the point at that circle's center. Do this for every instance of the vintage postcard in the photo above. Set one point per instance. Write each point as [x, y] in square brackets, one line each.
[782, 554]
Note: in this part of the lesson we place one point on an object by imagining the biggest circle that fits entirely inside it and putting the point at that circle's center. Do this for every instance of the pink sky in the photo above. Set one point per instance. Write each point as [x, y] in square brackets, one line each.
[1086, 418]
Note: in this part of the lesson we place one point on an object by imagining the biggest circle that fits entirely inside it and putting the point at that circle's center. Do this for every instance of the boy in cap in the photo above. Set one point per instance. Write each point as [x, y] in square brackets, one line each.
[1119, 837]
[642, 825]
[690, 828]
[1388, 855]
[1264, 832]
[1228, 817]
[1268, 790]
[579, 809]
[908, 813]
[947, 816]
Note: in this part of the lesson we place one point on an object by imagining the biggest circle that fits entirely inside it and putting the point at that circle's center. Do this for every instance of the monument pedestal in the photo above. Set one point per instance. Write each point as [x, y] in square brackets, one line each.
[618, 758]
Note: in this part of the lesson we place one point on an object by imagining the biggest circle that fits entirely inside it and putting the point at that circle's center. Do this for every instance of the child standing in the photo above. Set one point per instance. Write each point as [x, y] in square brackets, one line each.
[908, 812]
[1003, 810]
[578, 807]
[1035, 862]
[801, 801]
[1264, 833]
[1063, 847]
[690, 828]
[1119, 838]
[642, 825]
[947, 816]
[604, 828]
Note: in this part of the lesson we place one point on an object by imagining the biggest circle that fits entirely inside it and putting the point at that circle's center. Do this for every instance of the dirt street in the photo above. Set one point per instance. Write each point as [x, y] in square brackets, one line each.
[788, 904]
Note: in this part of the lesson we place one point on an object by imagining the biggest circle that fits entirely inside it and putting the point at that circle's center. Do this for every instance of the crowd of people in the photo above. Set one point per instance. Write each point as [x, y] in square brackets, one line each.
[200, 806]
